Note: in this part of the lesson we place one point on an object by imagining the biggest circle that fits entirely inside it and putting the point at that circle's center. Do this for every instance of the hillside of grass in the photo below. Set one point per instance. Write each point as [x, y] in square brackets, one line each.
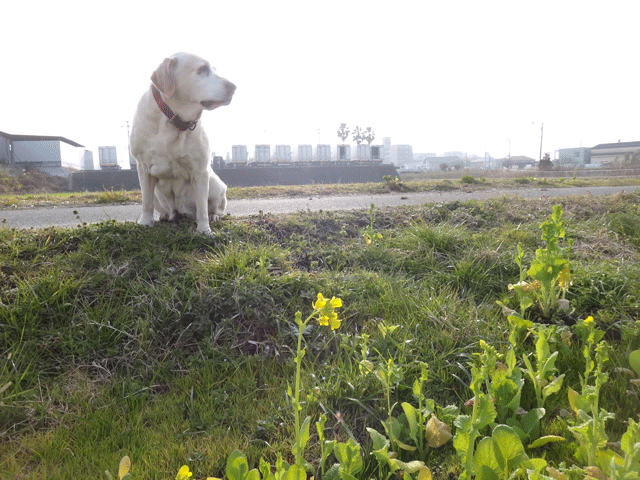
[174, 348]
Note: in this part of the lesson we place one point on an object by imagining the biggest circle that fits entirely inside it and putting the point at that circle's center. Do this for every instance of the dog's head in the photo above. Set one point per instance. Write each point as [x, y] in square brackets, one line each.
[190, 79]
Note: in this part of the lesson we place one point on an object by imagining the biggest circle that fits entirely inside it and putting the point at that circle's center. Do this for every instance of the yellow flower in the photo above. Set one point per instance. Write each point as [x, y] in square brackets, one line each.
[326, 305]
[320, 303]
[183, 473]
[335, 302]
[589, 320]
[328, 317]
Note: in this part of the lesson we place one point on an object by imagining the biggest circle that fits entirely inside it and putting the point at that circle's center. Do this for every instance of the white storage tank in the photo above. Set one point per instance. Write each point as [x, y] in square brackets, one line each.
[305, 153]
[108, 157]
[283, 153]
[323, 153]
[364, 151]
[87, 160]
[263, 153]
[343, 153]
[377, 152]
[239, 154]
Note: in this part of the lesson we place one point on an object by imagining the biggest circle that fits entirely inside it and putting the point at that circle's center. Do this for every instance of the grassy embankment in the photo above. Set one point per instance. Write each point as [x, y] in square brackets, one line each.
[174, 348]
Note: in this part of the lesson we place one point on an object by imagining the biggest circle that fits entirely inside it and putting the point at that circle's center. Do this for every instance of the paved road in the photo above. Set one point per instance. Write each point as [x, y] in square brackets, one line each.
[65, 216]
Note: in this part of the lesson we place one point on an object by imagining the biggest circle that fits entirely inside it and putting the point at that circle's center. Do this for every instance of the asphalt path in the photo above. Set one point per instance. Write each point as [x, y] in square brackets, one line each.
[63, 216]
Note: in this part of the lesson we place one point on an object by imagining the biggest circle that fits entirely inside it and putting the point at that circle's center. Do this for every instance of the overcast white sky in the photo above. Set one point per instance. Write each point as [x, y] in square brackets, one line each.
[439, 75]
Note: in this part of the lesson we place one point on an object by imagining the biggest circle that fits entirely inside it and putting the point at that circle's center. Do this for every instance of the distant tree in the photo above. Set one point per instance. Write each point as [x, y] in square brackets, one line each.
[444, 167]
[358, 135]
[545, 163]
[369, 135]
[343, 131]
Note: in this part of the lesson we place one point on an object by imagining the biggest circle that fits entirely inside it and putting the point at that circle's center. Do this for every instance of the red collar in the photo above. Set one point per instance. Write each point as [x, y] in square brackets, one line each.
[174, 119]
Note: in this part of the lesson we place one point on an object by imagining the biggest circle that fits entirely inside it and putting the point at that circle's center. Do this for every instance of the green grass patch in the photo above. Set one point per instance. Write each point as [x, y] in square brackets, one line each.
[177, 349]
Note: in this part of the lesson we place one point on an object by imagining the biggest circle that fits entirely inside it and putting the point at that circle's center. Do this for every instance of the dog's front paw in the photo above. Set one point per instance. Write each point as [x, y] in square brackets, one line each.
[214, 217]
[204, 228]
[145, 220]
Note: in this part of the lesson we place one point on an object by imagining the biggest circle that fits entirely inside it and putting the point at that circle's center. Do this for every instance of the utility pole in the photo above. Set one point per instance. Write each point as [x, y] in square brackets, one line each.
[541, 132]
[128, 143]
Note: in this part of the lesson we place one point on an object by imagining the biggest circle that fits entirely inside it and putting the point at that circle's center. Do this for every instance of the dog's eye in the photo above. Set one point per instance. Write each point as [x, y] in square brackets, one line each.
[204, 70]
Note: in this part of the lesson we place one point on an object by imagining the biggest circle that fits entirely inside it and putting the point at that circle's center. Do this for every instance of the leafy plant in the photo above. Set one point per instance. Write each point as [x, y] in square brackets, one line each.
[588, 426]
[369, 234]
[549, 277]
[542, 376]
[468, 179]
[324, 312]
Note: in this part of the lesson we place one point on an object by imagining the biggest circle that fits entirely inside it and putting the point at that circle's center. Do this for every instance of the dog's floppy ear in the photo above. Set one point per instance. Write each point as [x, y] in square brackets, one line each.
[163, 77]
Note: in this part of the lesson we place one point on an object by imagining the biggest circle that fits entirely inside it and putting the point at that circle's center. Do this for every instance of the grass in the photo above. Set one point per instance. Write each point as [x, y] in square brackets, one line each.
[176, 348]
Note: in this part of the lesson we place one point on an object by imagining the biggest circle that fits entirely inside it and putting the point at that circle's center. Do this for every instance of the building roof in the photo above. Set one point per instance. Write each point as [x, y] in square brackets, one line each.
[617, 145]
[520, 158]
[38, 138]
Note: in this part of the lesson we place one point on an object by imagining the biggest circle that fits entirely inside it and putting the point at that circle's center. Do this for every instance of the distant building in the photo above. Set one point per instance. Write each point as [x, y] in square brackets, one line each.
[519, 161]
[108, 158]
[239, 154]
[614, 152]
[262, 153]
[343, 153]
[305, 153]
[48, 154]
[400, 155]
[283, 153]
[573, 156]
[386, 149]
[323, 153]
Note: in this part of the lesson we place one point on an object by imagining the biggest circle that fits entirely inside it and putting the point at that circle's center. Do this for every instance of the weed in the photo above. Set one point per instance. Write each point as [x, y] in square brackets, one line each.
[468, 179]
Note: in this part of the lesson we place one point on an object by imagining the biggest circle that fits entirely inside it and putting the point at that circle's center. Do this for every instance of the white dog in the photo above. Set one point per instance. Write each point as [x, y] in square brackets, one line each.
[170, 145]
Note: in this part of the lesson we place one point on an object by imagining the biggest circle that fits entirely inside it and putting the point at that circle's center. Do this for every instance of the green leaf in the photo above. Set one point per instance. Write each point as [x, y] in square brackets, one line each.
[253, 475]
[348, 454]
[578, 402]
[531, 420]
[485, 462]
[539, 442]
[486, 412]
[302, 438]
[265, 469]
[237, 466]
[412, 419]
[631, 438]
[295, 472]
[379, 440]
[508, 446]
[281, 468]
[553, 387]
[634, 361]
[462, 437]
[520, 322]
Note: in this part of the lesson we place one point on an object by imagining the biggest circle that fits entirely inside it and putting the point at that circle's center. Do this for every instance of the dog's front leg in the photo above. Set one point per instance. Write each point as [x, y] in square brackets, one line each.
[201, 184]
[147, 187]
